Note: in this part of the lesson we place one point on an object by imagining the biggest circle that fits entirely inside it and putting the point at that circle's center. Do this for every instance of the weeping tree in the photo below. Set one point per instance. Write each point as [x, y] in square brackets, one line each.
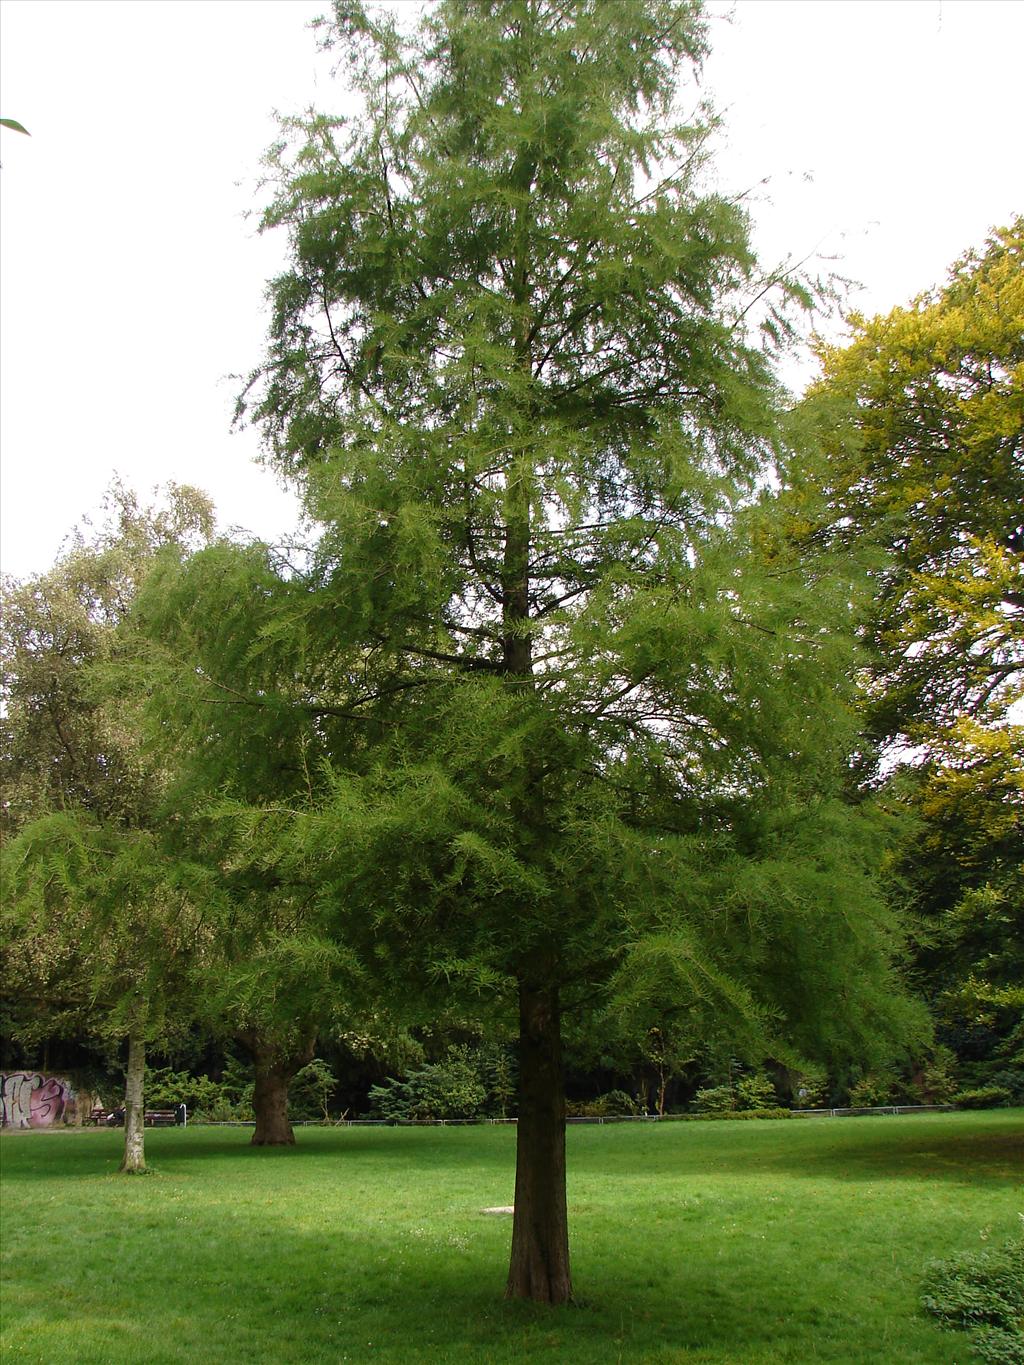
[583, 715]
[93, 897]
[227, 718]
[102, 922]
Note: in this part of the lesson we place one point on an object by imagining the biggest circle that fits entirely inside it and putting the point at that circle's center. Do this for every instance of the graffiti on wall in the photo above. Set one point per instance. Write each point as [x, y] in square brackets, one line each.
[30, 1100]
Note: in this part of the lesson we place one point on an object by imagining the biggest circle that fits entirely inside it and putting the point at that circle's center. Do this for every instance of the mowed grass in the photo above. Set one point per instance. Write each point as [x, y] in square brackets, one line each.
[726, 1242]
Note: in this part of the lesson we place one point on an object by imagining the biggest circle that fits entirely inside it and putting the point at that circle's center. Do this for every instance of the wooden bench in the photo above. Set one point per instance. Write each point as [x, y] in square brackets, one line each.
[164, 1118]
[151, 1118]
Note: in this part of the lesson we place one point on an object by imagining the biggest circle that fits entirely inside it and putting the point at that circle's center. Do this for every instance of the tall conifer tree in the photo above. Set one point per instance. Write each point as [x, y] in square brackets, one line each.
[585, 715]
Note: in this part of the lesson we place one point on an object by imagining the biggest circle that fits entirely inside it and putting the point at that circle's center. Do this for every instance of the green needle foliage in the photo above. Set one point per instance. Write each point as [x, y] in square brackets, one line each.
[580, 715]
[248, 741]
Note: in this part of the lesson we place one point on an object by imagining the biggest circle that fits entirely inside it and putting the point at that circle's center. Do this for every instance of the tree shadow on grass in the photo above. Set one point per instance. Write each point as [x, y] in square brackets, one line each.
[276, 1293]
[851, 1149]
[405, 1147]
[74, 1154]
[228, 1268]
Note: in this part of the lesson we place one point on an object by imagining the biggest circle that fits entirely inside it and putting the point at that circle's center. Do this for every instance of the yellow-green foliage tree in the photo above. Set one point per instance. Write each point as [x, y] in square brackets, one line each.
[921, 420]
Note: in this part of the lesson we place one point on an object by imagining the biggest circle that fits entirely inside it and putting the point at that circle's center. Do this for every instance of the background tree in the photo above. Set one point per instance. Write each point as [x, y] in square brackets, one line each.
[93, 899]
[228, 715]
[572, 693]
[65, 740]
[100, 916]
[964, 872]
[921, 418]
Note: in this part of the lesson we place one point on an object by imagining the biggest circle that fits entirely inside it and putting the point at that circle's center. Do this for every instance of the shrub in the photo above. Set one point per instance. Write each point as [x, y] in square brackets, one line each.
[748, 1093]
[498, 1072]
[871, 1091]
[716, 1099]
[450, 1089]
[810, 1088]
[1012, 1080]
[982, 1293]
[229, 1098]
[985, 1097]
[311, 1089]
[935, 1082]
[615, 1104]
[755, 1092]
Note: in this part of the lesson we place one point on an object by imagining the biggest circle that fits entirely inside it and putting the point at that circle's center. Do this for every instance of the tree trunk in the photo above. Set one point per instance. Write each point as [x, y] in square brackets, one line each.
[270, 1104]
[274, 1069]
[539, 1266]
[134, 1162]
[539, 1261]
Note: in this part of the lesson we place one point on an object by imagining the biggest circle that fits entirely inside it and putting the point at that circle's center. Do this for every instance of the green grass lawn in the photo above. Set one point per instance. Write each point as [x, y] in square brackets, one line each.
[738, 1242]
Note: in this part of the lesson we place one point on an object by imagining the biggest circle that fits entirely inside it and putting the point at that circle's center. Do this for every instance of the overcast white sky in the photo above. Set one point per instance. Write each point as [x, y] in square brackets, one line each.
[132, 280]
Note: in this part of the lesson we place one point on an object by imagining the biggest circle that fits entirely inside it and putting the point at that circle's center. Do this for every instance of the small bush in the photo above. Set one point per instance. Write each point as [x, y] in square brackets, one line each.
[499, 1075]
[616, 1104]
[935, 1083]
[810, 1087]
[230, 1098]
[985, 1097]
[1012, 1080]
[440, 1090]
[311, 1090]
[871, 1092]
[753, 1093]
[982, 1293]
[716, 1099]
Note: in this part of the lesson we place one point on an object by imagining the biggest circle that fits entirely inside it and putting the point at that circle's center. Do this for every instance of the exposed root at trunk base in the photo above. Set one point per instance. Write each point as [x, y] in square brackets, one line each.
[556, 1296]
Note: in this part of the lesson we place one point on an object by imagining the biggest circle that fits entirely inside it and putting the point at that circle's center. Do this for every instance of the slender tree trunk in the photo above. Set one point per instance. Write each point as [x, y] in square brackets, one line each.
[134, 1162]
[539, 1261]
[539, 1266]
[274, 1069]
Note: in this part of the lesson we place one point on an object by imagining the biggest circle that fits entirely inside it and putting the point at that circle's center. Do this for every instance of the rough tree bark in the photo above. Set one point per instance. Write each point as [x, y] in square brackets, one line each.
[274, 1066]
[134, 1161]
[539, 1263]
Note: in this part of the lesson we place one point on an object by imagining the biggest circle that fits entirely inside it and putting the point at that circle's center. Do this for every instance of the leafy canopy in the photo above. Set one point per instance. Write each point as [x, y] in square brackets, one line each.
[921, 418]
